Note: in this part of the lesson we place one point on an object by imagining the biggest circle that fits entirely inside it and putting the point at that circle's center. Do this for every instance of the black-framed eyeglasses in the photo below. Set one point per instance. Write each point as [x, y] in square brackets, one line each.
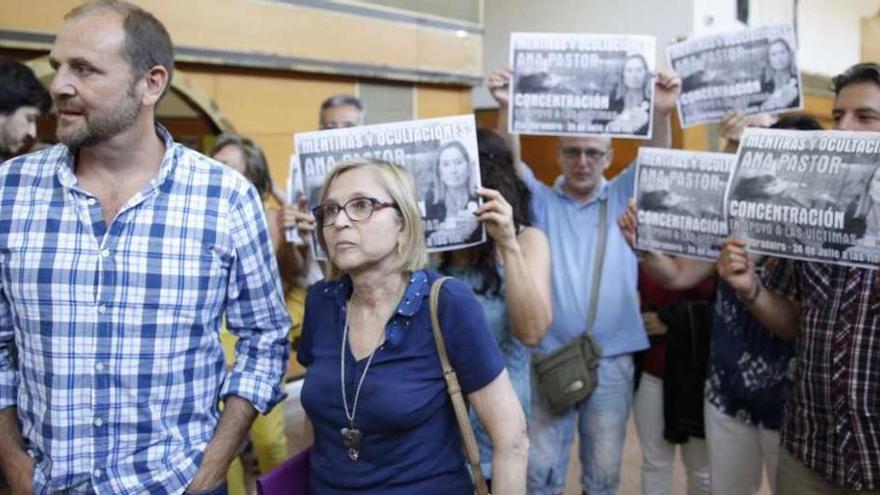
[356, 209]
[574, 152]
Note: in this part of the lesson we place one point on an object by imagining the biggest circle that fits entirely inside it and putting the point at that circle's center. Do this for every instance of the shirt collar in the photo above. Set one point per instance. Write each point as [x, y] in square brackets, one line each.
[67, 176]
[413, 297]
[559, 183]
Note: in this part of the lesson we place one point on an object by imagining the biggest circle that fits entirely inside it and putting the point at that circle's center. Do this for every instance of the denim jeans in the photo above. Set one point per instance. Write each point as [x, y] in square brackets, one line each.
[601, 422]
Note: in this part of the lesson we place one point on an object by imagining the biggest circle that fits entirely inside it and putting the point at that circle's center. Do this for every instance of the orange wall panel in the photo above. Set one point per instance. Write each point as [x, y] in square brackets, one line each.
[442, 101]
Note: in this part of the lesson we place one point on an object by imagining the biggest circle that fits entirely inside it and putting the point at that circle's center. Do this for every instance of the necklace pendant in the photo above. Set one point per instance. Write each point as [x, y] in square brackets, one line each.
[351, 440]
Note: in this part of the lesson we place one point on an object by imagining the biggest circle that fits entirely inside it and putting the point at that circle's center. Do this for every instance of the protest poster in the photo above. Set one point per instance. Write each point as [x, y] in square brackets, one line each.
[753, 70]
[812, 195]
[680, 201]
[295, 191]
[582, 84]
[440, 155]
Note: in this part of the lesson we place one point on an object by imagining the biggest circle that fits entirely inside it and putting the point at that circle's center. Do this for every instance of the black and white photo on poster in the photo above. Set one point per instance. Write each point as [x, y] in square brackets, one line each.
[812, 195]
[439, 154]
[753, 70]
[582, 84]
[680, 201]
[295, 191]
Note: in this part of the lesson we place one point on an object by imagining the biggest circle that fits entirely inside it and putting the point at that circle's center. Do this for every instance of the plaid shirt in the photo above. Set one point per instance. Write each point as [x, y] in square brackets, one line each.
[832, 422]
[119, 365]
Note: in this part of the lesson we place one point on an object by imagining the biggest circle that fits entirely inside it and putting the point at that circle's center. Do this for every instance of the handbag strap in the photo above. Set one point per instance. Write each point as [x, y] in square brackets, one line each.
[598, 261]
[454, 389]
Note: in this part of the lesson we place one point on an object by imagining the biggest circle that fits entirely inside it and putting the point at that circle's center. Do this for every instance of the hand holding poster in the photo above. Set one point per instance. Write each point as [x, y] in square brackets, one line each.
[812, 195]
[582, 84]
[680, 201]
[753, 70]
[440, 155]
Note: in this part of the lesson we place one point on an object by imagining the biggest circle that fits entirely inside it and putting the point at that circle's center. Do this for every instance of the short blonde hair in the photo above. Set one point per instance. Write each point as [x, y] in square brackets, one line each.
[395, 180]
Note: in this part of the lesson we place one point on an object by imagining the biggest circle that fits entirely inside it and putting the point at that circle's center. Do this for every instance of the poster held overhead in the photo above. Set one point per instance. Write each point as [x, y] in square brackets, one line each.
[752, 70]
[570, 84]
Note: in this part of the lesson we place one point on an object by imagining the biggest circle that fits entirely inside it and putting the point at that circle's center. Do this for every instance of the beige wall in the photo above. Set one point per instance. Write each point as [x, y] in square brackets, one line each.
[271, 103]
[870, 42]
[284, 36]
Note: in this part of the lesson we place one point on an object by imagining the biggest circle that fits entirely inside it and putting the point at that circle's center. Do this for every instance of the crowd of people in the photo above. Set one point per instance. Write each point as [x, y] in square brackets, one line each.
[149, 297]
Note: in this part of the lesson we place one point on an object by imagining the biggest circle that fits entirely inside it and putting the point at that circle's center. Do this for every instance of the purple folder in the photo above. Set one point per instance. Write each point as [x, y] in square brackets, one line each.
[290, 478]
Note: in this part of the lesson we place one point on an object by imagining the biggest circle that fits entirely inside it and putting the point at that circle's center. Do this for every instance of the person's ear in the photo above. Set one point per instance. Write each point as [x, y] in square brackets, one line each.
[609, 158]
[155, 81]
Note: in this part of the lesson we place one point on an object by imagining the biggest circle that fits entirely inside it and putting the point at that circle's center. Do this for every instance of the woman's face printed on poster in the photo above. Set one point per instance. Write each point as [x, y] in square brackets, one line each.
[779, 56]
[635, 71]
[874, 187]
[453, 167]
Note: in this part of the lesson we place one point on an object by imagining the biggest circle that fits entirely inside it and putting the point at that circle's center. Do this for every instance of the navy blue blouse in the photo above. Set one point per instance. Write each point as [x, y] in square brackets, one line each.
[748, 376]
[411, 441]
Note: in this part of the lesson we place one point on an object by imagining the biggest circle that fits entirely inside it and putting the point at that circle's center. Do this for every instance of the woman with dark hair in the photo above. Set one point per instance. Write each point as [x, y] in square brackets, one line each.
[780, 79]
[632, 97]
[510, 274]
[452, 202]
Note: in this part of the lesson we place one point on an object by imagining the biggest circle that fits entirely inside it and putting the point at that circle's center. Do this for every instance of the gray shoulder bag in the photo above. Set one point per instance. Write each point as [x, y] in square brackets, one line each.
[569, 374]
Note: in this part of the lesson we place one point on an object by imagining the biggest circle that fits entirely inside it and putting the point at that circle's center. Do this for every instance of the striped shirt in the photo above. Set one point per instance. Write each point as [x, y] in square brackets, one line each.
[119, 367]
[832, 422]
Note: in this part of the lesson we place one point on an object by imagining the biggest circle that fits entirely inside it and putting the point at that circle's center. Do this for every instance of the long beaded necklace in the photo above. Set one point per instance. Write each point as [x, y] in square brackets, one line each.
[351, 436]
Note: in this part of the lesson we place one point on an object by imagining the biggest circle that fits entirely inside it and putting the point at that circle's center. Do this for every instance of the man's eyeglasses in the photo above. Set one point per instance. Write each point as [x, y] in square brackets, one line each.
[573, 153]
[356, 209]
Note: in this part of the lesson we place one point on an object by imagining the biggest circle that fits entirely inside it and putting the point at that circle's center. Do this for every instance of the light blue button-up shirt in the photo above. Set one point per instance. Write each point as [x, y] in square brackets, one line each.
[572, 229]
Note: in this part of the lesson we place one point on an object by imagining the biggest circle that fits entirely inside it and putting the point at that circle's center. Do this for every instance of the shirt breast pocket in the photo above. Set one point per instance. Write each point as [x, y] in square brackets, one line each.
[186, 281]
[31, 279]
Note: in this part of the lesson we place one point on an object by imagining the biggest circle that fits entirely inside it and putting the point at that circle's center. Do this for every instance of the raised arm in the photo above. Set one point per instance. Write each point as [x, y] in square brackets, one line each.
[777, 313]
[667, 88]
[735, 122]
[526, 259]
[498, 84]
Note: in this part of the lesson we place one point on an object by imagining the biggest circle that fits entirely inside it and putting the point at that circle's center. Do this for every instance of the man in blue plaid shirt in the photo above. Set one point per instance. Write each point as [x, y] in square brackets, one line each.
[120, 253]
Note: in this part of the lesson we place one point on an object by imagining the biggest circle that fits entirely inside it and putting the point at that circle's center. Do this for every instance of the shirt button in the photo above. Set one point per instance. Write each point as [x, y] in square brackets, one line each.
[99, 366]
[92, 201]
[105, 253]
[98, 422]
[98, 473]
[101, 309]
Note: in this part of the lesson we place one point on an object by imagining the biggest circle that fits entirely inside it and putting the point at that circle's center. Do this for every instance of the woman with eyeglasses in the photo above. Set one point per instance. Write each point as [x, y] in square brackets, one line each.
[509, 274]
[450, 205]
[374, 390]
